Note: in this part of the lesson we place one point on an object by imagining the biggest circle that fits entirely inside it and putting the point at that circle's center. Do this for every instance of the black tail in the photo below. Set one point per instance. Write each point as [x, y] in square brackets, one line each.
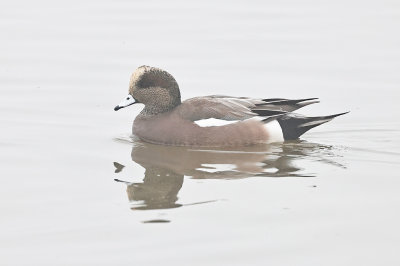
[295, 125]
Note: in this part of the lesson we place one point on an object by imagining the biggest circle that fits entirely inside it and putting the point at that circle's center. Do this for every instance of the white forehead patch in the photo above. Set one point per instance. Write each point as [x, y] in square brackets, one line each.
[136, 74]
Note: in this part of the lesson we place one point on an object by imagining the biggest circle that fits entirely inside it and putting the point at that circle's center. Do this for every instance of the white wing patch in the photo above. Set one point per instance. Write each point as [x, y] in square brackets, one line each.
[211, 122]
[273, 128]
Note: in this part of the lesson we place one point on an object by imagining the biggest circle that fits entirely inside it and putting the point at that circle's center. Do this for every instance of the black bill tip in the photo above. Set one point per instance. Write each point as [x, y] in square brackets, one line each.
[116, 108]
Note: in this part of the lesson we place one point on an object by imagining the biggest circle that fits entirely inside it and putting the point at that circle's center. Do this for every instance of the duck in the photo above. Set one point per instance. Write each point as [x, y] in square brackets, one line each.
[240, 121]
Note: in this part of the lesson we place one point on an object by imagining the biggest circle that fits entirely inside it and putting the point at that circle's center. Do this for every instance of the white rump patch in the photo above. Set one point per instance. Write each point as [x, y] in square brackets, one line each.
[274, 131]
[210, 122]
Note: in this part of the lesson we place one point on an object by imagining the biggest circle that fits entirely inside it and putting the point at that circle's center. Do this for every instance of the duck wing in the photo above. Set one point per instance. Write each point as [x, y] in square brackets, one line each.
[238, 108]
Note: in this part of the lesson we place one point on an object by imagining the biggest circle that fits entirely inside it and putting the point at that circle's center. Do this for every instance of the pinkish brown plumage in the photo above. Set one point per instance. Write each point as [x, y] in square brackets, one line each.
[171, 129]
[168, 121]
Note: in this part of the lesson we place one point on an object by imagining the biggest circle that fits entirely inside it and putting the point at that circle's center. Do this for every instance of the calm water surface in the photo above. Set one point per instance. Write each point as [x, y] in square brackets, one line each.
[78, 189]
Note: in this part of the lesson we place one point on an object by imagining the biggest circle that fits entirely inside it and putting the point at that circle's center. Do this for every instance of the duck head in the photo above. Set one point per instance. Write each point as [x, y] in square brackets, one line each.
[153, 87]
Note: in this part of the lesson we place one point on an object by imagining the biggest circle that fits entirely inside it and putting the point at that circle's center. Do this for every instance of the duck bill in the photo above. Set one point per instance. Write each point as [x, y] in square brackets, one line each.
[128, 100]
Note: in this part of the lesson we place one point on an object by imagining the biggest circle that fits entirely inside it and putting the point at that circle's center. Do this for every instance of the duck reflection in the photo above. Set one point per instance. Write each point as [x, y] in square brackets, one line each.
[166, 166]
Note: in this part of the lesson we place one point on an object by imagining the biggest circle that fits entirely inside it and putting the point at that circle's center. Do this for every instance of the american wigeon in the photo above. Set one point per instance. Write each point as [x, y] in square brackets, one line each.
[166, 120]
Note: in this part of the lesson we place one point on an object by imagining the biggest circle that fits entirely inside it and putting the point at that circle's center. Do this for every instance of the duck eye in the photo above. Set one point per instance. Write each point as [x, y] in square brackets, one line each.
[127, 98]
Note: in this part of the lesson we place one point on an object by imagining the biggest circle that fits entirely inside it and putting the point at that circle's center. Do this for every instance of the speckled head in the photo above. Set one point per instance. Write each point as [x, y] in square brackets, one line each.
[155, 88]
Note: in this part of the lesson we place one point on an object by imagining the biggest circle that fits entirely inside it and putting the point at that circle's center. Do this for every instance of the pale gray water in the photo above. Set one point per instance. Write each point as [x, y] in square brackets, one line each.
[331, 199]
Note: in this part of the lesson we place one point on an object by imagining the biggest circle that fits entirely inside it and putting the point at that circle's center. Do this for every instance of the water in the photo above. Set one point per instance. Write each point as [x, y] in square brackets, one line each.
[77, 189]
